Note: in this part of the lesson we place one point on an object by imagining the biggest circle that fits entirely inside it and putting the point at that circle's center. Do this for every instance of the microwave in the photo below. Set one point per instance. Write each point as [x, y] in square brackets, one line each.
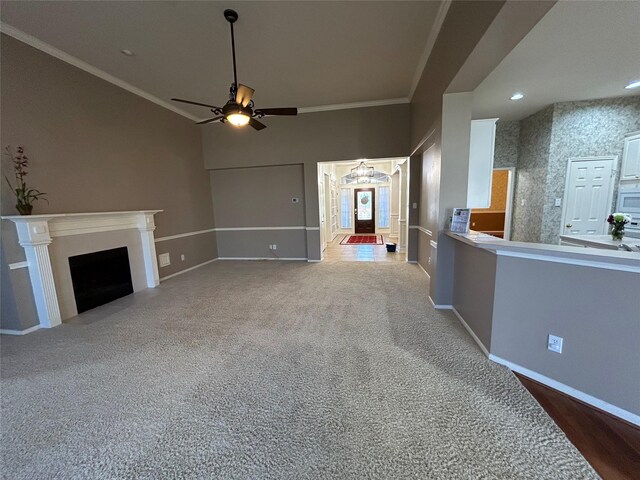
[629, 203]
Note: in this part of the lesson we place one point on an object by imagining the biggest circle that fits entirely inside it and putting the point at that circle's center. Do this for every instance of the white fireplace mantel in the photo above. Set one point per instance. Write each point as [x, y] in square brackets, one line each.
[36, 232]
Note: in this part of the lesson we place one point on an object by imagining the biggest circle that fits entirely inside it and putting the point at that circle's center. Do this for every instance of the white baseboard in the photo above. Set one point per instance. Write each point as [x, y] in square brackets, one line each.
[425, 272]
[471, 332]
[439, 307]
[6, 331]
[262, 258]
[572, 392]
[561, 387]
[313, 261]
[187, 269]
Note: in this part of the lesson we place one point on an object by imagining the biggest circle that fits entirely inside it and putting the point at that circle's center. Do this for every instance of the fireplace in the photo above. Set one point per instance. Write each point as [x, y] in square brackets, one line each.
[100, 277]
[49, 241]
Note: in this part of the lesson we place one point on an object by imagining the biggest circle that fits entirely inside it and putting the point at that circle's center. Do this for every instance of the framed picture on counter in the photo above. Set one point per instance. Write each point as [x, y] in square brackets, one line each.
[460, 220]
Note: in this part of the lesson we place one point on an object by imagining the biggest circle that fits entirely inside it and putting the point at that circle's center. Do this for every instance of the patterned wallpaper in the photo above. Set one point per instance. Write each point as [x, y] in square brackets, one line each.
[506, 148]
[531, 173]
[545, 142]
[582, 129]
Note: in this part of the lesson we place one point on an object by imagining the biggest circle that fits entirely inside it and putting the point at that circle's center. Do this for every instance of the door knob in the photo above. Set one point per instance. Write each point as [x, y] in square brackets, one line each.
[568, 225]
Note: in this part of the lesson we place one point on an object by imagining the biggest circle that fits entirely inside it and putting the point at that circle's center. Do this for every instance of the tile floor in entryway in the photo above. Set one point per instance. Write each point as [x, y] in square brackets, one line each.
[361, 253]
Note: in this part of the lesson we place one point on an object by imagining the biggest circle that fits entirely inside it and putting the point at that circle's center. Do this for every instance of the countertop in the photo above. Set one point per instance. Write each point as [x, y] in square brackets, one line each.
[617, 259]
[600, 241]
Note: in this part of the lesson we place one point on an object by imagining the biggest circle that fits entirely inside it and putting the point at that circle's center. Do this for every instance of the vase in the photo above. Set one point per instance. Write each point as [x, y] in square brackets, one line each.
[24, 209]
[617, 232]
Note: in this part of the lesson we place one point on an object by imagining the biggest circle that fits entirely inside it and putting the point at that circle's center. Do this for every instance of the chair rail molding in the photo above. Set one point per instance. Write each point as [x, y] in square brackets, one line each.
[36, 232]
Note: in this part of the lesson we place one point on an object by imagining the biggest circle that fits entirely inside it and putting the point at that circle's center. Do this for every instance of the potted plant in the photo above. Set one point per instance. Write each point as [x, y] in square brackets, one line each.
[25, 196]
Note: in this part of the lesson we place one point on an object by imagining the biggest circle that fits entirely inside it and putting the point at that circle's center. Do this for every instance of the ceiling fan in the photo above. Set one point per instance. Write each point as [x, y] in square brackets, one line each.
[239, 109]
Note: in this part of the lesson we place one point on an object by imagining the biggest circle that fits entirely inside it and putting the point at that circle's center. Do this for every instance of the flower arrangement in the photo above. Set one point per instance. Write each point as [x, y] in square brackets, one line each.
[25, 196]
[618, 221]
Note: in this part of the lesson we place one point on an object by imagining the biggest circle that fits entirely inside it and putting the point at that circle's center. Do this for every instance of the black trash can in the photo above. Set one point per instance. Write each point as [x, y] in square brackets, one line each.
[391, 247]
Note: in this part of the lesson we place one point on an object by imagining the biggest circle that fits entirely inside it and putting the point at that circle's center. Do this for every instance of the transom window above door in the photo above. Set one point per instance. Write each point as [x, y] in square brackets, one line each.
[378, 177]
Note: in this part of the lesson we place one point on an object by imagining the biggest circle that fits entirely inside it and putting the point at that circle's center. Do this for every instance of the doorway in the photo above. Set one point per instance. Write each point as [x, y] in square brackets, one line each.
[588, 195]
[364, 200]
[496, 219]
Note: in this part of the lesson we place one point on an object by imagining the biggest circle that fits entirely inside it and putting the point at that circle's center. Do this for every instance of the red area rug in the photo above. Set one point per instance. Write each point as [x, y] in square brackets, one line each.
[362, 240]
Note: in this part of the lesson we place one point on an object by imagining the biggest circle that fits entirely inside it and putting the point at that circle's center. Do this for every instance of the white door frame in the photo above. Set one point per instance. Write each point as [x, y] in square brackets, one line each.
[508, 211]
[614, 165]
[328, 237]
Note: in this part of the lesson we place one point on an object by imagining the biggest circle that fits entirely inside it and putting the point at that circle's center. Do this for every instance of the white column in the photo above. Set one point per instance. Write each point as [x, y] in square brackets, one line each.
[146, 226]
[35, 239]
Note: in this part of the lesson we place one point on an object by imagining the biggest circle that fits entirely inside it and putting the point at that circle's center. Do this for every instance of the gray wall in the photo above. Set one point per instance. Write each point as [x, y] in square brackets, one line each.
[601, 333]
[373, 132]
[259, 197]
[474, 276]
[512, 304]
[96, 147]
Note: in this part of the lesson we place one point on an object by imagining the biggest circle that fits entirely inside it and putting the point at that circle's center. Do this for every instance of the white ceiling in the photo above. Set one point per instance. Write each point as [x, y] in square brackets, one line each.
[579, 50]
[300, 54]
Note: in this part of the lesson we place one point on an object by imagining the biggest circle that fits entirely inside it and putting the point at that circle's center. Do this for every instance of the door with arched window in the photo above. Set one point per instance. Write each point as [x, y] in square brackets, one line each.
[365, 210]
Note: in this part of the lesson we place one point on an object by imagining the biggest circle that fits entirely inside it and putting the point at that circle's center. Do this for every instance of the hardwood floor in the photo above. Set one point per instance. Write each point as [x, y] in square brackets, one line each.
[611, 446]
[360, 253]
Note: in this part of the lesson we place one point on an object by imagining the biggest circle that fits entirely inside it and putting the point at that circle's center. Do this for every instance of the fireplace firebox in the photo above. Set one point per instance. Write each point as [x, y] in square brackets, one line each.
[100, 277]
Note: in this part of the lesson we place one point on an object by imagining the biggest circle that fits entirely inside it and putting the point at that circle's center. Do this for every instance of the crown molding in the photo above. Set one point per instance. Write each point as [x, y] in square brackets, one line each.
[76, 62]
[346, 106]
[431, 41]
[82, 65]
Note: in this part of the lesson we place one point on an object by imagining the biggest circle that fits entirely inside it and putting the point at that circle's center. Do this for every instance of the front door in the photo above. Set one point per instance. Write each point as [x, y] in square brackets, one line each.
[588, 197]
[365, 211]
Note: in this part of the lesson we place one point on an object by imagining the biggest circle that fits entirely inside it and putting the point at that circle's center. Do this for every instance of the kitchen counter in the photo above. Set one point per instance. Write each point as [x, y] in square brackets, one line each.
[598, 241]
[608, 258]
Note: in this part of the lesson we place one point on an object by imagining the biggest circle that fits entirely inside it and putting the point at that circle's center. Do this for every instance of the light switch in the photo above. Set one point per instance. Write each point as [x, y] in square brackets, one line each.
[415, 205]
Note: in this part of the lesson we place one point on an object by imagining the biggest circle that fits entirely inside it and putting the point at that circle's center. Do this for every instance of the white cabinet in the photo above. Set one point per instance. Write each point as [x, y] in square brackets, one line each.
[631, 158]
[481, 148]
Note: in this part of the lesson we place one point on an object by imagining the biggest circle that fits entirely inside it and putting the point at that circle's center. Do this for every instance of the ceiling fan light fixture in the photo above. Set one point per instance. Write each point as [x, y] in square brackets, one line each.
[239, 119]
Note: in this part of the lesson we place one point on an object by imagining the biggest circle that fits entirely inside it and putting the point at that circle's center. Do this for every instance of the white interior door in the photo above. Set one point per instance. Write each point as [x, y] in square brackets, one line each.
[588, 196]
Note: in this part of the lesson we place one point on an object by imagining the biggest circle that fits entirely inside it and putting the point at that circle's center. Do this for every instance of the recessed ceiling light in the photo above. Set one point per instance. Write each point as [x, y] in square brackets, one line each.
[126, 52]
[517, 96]
[634, 84]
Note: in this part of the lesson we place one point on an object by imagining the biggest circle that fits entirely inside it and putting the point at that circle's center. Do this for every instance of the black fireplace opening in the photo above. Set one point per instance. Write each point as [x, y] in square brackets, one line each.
[100, 277]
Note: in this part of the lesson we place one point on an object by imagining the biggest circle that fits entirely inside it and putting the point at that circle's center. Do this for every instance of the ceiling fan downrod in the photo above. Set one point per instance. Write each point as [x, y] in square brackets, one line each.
[232, 17]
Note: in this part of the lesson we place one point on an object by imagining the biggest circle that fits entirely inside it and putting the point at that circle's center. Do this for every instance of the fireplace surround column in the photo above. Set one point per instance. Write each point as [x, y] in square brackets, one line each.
[35, 239]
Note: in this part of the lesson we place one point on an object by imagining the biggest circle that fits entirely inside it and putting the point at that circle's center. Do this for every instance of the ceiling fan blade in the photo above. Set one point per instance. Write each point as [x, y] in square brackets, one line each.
[277, 111]
[256, 124]
[209, 120]
[194, 103]
[244, 94]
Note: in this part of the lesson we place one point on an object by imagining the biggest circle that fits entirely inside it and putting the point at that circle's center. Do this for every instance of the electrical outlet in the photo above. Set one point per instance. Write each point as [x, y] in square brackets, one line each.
[554, 343]
[522, 202]
[429, 261]
[182, 257]
[164, 259]
[558, 202]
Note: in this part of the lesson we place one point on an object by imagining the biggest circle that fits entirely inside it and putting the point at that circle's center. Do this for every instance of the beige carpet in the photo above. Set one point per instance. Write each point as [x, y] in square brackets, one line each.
[259, 370]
